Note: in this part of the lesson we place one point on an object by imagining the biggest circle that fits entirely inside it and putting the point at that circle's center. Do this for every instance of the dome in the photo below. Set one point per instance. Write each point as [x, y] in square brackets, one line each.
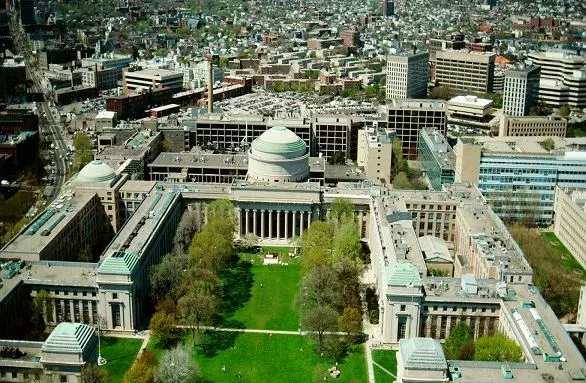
[279, 140]
[278, 155]
[96, 171]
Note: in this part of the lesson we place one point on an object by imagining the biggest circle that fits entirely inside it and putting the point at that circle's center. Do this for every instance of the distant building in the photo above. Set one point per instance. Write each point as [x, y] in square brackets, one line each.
[437, 158]
[140, 81]
[521, 90]
[409, 116]
[388, 7]
[470, 108]
[533, 126]
[468, 71]
[570, 221]
[109, 61]
[562, 78]
[350, 37]
[407, 75]
[27, 11]
[13, 86]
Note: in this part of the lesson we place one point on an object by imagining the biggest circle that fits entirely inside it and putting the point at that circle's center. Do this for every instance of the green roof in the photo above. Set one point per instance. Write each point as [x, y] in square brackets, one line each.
[120, 262]
[279, 140]
[70, 338]
[404, 275]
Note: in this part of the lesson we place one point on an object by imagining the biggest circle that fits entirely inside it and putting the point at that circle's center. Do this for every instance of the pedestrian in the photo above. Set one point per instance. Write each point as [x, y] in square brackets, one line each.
[224, 368]
[261, 285]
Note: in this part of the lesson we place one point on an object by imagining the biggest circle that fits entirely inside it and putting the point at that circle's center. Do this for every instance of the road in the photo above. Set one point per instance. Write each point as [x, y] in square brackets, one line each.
[52, 114]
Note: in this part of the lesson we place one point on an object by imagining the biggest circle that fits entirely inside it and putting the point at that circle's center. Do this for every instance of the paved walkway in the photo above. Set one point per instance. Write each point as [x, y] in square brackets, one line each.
[263, 331]
[384, 369]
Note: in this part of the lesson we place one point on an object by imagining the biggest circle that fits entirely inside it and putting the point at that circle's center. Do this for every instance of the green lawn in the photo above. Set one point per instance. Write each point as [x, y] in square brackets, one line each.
[260, 296]
[567, 259]
[119, 354]
[387, 359]
[265, 358]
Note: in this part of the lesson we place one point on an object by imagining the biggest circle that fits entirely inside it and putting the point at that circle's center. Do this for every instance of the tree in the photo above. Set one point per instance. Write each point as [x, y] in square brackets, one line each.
[143, 369]
[342, 211]
[222, 210]
[85, 254]
[497, 348]
[442, 92]
[191, 222]
[467, 351]
[43, 307]
[401, 181]
[459, 336]
[347, 246]
[564, 111]
[320, 320]
[90, 373]
[338, 158]
[398, 164]
[176, 366]
[213, 246]
[249, 242]
[166, 277]
[163, 327]
[198, 306]
[319, 287]
[350, 321]
[548, 144]
[83, 150]
[316, 245]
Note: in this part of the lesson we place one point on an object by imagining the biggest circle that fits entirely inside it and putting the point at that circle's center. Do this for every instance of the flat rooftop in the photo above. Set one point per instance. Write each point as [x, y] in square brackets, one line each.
[527, 145]
[471, 101]
[154, 74]
[42, 230]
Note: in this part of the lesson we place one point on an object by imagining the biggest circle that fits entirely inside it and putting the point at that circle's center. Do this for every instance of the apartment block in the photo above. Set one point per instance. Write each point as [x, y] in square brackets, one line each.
[570, 221]
[375, 153]
[533, 126]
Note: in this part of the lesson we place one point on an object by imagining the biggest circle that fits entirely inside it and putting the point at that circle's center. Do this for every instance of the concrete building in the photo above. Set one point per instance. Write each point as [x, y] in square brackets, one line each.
[570, 221]
[421, 359]
[143, 80]
[336, 134]
[533, 126]
[563, 78]
[105, 120]
[407, 75]
[437, 158]
[101, 78]
[408, 117]
[468, 71]
[375, 153]
[469, 108]
[518, 176]
[521, 90]
[109, 61]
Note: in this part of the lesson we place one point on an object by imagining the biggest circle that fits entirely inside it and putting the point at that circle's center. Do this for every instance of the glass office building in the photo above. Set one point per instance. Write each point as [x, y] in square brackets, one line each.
[437, 158]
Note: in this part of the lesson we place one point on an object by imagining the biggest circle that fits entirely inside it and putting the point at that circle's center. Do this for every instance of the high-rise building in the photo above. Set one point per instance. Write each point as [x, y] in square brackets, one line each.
[521, 90]
[350, 36]
[407, 75]
[388, 7]
[27, 12]
[471, 71]
[562, 79]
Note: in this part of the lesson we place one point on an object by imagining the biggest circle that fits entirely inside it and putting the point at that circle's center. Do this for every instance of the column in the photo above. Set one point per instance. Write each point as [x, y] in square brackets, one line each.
[54, 303]
[278, 224]
[262, 223]
[254, 221]
[360, 223]
[246, 218]
[301, 223]
[90, 309]
[286, 225]
[81, 317]
[293, 223]
[271, 225]
[240, 222]
[309, 217]
[62, 303]
[476, 327]
[72, 310]
[448, 325]
[428, 326]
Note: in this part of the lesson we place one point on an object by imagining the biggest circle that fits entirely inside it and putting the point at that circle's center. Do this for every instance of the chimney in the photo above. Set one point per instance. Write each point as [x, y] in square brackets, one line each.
[210, 84]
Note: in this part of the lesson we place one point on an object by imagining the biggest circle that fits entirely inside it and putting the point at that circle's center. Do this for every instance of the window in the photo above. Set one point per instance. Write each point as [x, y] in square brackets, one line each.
[403, 307]
[14, 375]
[63, 379]
[114, 296]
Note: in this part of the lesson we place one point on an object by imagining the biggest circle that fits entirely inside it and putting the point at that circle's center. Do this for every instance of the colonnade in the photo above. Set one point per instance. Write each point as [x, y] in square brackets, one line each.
[273, 224]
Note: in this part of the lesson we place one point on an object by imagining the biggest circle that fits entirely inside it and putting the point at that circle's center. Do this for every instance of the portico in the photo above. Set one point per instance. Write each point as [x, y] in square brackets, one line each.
[274, 223]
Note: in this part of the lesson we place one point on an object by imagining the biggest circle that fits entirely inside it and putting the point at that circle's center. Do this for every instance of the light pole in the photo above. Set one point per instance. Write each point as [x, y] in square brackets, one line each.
[101, 359]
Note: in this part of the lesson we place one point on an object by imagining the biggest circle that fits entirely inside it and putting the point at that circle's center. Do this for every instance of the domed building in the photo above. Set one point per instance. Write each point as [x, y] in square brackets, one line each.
[278, 155]
[96, 171]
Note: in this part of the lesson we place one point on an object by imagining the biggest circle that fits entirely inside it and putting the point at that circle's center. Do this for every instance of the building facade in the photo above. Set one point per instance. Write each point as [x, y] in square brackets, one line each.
[468, 71]
[139, 81]
[521, 90]
[570, 221]
[437, 158]
[533, 126]
[407, 75]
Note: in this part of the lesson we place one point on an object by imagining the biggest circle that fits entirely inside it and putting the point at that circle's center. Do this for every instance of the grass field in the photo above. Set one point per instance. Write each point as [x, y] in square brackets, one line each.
[119, 353]
[266, 358]
[387, 359]
[260, 296]
[567, 259]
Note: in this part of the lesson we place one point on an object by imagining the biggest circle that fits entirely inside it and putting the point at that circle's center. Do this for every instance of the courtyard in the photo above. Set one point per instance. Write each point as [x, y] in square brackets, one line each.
[119, 354]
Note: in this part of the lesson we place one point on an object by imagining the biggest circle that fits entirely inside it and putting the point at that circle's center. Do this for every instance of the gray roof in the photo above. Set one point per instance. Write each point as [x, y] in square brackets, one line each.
[422, 354]
[434, 248]
[69, 338]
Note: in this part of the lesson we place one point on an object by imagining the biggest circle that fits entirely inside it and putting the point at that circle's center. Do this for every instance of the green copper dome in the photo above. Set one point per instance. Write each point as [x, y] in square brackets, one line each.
[278, 140]
[96, 171]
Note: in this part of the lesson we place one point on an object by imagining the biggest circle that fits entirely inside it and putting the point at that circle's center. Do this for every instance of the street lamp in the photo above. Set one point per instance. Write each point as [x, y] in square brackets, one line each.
[101, 359]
